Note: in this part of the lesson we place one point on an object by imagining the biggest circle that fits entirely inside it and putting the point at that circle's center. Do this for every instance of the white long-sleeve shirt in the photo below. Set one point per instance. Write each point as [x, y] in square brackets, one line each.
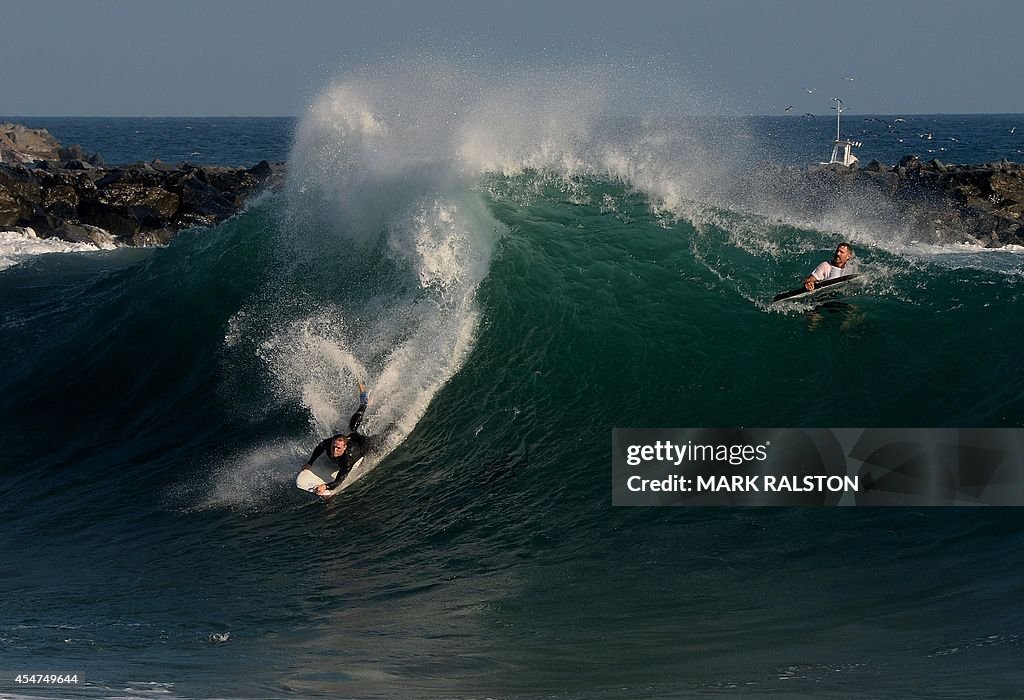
[827, 271]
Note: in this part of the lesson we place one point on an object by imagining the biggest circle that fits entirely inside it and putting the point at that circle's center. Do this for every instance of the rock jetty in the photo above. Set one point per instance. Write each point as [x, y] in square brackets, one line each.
[928, 202]
[981, 204]
[70, 194]
[67, 193]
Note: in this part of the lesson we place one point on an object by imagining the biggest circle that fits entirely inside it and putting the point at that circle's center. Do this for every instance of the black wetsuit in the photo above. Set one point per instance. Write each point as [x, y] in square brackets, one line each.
[358, 445]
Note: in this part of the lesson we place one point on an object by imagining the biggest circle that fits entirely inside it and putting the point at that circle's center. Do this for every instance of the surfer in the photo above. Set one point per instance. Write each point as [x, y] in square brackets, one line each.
[830, 269]
[344, 449]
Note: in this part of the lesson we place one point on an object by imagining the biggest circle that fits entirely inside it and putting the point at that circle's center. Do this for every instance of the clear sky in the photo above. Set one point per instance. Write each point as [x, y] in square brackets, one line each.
[271, 57]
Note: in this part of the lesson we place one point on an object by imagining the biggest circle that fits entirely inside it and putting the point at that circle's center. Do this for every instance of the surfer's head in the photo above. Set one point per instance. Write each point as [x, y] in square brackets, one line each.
[844, 251]
[338, 444]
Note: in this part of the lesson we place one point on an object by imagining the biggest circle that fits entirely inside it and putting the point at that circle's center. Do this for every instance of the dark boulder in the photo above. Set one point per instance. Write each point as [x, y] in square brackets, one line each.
[84, 233]
[13, 209]
[79, 154]
[203, 203]
[19, 193]
[19, 144]
[117, 220]
[61, 201]
[140, 199]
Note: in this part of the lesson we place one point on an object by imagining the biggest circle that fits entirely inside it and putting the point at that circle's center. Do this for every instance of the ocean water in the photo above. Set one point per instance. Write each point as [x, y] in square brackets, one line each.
[514, 280]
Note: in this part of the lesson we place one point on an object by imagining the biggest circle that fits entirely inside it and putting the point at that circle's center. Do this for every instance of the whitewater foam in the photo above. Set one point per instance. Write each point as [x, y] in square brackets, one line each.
[19, 244]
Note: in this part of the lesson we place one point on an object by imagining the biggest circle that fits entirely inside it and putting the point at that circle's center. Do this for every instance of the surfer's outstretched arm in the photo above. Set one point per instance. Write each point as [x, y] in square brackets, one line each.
[317, 451]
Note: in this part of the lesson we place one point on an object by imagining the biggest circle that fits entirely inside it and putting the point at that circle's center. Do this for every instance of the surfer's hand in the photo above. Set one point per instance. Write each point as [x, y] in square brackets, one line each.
[809, 284]
[321, 489]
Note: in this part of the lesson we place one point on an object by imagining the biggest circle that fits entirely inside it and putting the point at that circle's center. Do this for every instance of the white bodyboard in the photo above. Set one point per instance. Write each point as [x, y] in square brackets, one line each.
[308, 480]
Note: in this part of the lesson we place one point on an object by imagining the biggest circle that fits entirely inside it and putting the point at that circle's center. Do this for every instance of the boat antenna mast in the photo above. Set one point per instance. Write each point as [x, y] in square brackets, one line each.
[839, 110]
[842, 151]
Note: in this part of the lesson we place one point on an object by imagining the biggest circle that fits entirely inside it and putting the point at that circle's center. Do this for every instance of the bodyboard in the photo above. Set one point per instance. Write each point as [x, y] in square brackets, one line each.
[800, 292]
[308, 480]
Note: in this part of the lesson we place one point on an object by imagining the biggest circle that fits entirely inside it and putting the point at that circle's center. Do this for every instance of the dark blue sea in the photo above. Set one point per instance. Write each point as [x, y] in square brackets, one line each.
[513, 284]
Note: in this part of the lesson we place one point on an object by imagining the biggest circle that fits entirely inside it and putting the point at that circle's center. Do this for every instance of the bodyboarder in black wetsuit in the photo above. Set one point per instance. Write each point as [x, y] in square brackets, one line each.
[345, 450]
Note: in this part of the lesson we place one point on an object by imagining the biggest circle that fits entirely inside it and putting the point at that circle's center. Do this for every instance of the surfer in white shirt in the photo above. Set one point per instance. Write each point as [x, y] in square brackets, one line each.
[830, 269]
